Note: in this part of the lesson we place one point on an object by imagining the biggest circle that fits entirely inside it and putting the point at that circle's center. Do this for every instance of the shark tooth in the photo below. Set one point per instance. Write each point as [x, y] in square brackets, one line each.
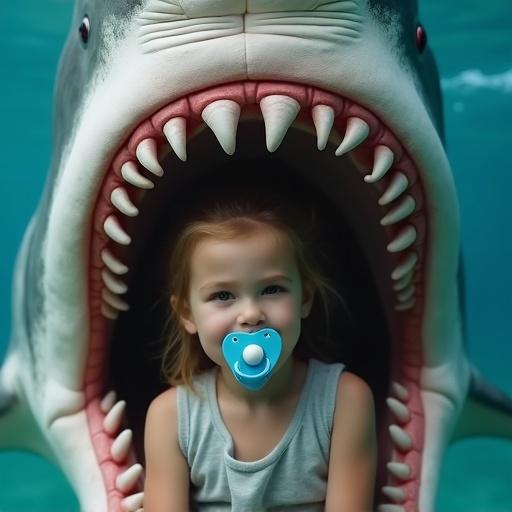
[278, 112]
[403, 282]
[383, 160]
[399, 470]
[108, 401]
[405, 238]
[113, 284]
[131, 174]
[175, 131]
[127, 480]
[400, 391]
[390, 508]
[121, 446]
[109, 312]
[120, 199]
[323, 119]
[222, 117]
[394, 493]
[356, 133]
[112, 421]
[405, 266]
[133, 502]
[147, 155]
[112, 263]
[112, 299]
[399, 212]
[401, 439]
[399, 410]
[397, 186]
[406, 294]
[403, 306]
[115, 232]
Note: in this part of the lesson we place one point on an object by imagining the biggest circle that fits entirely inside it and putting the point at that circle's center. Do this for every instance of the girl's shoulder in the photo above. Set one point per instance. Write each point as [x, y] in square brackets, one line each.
[163, 405]
[350, 388]
[198, 387]
[354, 392]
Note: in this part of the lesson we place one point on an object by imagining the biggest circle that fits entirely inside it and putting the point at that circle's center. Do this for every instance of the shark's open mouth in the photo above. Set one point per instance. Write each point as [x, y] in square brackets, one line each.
[382, 227]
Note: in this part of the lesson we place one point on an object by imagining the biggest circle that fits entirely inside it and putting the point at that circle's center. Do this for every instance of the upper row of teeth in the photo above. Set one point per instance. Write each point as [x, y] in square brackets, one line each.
[279, 112]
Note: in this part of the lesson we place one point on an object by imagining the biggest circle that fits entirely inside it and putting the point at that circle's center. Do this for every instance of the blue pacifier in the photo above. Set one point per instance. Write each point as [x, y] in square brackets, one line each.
[252, 356]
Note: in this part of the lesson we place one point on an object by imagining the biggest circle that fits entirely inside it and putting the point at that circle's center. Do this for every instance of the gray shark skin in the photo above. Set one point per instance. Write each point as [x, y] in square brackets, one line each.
[72, 340]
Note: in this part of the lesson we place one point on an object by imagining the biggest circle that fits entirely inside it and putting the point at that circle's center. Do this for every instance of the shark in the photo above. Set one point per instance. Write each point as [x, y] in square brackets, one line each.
[156, 99]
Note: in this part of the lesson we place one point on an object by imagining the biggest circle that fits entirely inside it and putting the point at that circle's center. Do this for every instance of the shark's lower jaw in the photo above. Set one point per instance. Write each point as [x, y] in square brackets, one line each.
[394, 217]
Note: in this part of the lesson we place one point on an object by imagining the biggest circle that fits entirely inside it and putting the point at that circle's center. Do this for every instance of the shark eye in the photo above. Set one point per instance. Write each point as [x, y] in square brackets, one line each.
[84, 29]
[421, 38]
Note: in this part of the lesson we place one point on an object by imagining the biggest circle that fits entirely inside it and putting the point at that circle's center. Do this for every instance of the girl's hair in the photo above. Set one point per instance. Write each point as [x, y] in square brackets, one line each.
[226, 214]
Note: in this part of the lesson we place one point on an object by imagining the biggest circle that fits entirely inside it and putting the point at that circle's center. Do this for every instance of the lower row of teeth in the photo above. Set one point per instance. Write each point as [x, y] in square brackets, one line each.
[132, 478]
[279, 112]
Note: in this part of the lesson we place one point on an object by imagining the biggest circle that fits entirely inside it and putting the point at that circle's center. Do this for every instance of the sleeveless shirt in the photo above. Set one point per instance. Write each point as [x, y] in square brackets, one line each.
[293, 476]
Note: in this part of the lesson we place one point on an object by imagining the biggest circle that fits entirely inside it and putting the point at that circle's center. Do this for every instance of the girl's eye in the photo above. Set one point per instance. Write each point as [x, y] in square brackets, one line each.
[223, 295]
[273, 289]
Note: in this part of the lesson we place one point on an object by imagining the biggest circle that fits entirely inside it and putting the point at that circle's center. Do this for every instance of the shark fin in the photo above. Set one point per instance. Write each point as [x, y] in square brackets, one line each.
[18, 429]
[486, 412]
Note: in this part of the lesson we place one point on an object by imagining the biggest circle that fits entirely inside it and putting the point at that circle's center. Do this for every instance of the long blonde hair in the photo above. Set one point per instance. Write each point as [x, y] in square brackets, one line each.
[226, 215]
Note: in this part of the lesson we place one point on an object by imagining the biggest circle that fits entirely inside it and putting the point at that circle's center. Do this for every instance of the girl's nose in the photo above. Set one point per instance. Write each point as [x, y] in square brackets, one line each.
[251, 314]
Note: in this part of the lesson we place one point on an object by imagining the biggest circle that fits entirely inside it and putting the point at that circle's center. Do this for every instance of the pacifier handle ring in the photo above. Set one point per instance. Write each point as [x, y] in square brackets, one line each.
[248, 376]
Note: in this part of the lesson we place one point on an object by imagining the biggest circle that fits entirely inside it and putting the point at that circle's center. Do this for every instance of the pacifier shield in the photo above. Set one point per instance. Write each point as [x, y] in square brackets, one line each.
[252, 356]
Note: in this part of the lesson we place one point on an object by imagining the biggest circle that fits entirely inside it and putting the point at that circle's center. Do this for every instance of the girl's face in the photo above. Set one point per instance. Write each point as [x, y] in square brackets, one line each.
[245, 284]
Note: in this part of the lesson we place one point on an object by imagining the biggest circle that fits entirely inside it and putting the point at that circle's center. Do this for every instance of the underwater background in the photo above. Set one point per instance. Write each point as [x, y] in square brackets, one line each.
[472, 41]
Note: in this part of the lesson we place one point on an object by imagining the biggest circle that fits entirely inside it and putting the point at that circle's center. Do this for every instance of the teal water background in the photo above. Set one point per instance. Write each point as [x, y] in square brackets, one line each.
[472, 41]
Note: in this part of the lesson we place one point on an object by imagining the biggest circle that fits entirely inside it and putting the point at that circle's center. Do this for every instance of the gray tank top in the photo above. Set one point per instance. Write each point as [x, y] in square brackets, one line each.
[293, 476]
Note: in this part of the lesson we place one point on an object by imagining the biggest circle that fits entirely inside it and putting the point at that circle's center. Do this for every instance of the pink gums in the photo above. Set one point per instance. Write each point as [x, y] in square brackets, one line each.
[248, 94]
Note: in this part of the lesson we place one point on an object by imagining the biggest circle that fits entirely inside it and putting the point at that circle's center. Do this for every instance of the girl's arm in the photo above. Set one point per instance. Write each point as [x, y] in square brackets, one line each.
[353, 455]
[167, 475]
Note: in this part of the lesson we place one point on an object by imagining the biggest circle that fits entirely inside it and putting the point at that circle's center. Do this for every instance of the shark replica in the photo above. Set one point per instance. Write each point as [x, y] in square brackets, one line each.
[150, 98]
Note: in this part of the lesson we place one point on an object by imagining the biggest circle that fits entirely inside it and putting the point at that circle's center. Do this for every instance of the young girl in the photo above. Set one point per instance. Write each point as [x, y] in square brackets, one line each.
[304, 441]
